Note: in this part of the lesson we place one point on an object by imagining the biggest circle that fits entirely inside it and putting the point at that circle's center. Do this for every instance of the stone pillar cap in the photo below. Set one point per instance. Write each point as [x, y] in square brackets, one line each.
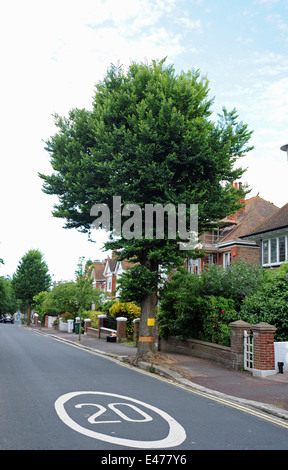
[264, 326]
[240, 324]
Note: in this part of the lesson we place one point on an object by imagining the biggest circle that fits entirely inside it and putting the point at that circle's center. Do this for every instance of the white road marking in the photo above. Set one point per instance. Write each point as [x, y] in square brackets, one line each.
[175, 437]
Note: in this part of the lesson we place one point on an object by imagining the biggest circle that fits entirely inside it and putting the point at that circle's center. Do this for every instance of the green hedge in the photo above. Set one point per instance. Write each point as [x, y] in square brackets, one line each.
[202, 307]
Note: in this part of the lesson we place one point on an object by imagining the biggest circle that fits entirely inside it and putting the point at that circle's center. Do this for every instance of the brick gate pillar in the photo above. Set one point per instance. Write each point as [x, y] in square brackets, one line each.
[237, 343]
[87, 324]
[100, 323]
[136, 324]
[263, 349]
[121, 327]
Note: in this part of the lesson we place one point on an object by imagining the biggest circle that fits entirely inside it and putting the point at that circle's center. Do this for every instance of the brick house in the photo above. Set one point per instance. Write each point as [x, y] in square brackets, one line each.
[97, 274]
[109, 275]
[224, 244]
[105, 273]
[272, 237]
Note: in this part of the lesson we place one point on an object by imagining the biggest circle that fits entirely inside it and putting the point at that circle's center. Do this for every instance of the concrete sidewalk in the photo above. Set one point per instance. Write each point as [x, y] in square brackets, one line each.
[269, 394]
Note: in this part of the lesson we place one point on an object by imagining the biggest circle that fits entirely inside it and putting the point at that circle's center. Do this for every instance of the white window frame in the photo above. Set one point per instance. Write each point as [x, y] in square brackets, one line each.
[194, 266]
[269, 241]
[210, 259]
[226, 259]
[109, 283]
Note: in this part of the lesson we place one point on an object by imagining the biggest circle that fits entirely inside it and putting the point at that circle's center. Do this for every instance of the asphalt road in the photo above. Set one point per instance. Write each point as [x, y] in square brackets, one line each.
[56, 396]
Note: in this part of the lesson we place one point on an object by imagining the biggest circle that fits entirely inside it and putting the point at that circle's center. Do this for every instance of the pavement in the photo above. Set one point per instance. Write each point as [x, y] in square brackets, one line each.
[269, 394]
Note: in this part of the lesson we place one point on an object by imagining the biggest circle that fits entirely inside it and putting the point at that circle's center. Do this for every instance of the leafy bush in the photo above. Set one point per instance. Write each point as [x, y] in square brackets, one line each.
[192, 305]
[126, 309]
[93, 315]
[217, 313]
[180, 306]
[67, 316]
[269, 303]
[234, 282]
[107, 305]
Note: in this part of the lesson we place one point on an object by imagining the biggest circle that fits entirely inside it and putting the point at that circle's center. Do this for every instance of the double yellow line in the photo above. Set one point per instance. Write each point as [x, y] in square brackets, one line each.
[262, 415]
[267, 417]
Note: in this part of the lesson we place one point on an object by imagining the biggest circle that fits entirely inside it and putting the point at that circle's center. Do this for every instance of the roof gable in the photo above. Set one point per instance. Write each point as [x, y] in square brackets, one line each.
[97, 270]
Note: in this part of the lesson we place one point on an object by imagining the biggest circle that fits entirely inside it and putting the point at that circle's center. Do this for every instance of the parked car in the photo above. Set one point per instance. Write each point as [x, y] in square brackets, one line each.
[1, 319]
[8, 319]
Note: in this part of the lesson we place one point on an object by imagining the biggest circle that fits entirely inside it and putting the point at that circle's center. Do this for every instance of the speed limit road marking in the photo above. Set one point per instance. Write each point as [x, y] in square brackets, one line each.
[120, 409]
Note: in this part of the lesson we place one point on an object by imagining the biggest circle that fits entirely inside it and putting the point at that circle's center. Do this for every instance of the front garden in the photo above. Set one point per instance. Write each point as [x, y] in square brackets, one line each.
[201, 307]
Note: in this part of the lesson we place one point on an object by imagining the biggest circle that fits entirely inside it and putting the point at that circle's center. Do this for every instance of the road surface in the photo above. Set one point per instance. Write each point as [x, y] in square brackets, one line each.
[56, 396]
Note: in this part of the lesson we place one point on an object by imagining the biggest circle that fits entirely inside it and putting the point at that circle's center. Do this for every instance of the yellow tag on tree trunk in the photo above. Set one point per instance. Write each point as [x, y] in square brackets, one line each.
[150, 321]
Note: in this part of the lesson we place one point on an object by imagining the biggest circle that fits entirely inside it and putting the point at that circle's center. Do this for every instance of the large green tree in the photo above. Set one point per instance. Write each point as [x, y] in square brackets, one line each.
[8, 302]
[30, 278]
[148, 139]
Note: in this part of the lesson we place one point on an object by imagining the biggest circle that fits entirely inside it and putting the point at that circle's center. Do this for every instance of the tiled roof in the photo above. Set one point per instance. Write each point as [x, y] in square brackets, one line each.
[98, 270]
[256, 210]
[277, 220]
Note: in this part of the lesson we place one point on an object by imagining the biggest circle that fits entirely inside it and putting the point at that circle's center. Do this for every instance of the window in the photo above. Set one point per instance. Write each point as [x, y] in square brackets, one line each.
[226, 259]
[265, 252]
[274, 251]
[193, 266]
[282, 249]
[210, 259]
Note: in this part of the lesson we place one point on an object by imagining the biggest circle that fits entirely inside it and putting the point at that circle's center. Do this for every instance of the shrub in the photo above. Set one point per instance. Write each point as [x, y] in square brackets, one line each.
[217, 313]
[126, 309]
[67, 316]
[191, 305]
[107, 305]
[269, 303]
[180, 306]
[234, 282]
[94, 317]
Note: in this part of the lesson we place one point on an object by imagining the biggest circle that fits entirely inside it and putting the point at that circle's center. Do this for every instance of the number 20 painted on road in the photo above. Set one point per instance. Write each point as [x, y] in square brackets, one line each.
[113, 406]
[175, 437]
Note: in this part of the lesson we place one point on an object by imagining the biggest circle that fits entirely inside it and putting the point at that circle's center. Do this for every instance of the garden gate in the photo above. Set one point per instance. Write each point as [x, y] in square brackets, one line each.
[248, 350]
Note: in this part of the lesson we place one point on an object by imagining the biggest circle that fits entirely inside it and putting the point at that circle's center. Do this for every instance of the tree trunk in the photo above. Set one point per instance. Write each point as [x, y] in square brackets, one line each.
[148, 340]
[148, 337]
[29, 314]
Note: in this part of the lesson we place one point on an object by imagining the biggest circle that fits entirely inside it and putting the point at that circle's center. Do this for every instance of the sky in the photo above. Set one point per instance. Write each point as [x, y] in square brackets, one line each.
[54, 52]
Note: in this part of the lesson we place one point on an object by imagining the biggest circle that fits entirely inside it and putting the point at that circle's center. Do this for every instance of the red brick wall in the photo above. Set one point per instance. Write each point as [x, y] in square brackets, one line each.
[249, 255]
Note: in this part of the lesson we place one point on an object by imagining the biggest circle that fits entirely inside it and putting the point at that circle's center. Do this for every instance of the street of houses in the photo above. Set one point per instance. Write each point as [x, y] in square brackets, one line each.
[256, 233]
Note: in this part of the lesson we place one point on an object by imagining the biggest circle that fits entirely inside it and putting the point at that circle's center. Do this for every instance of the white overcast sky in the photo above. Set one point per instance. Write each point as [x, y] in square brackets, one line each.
[54, 52]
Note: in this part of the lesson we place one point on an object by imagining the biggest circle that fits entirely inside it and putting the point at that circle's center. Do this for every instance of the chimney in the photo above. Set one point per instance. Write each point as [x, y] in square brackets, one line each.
[241, 211]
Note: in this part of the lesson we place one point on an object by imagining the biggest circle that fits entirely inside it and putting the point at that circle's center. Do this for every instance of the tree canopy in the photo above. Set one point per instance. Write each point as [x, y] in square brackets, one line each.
[148, 139]
[30, 278]
[8, 302]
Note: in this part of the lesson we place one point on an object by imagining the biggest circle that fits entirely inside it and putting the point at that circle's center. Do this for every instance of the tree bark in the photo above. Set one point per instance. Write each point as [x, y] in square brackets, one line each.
[148, 340]
[148, 337]
[29, 314]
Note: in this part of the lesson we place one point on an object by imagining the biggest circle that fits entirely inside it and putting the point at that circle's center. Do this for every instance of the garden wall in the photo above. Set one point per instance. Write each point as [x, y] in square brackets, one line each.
[63, 326]
[197, 348]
